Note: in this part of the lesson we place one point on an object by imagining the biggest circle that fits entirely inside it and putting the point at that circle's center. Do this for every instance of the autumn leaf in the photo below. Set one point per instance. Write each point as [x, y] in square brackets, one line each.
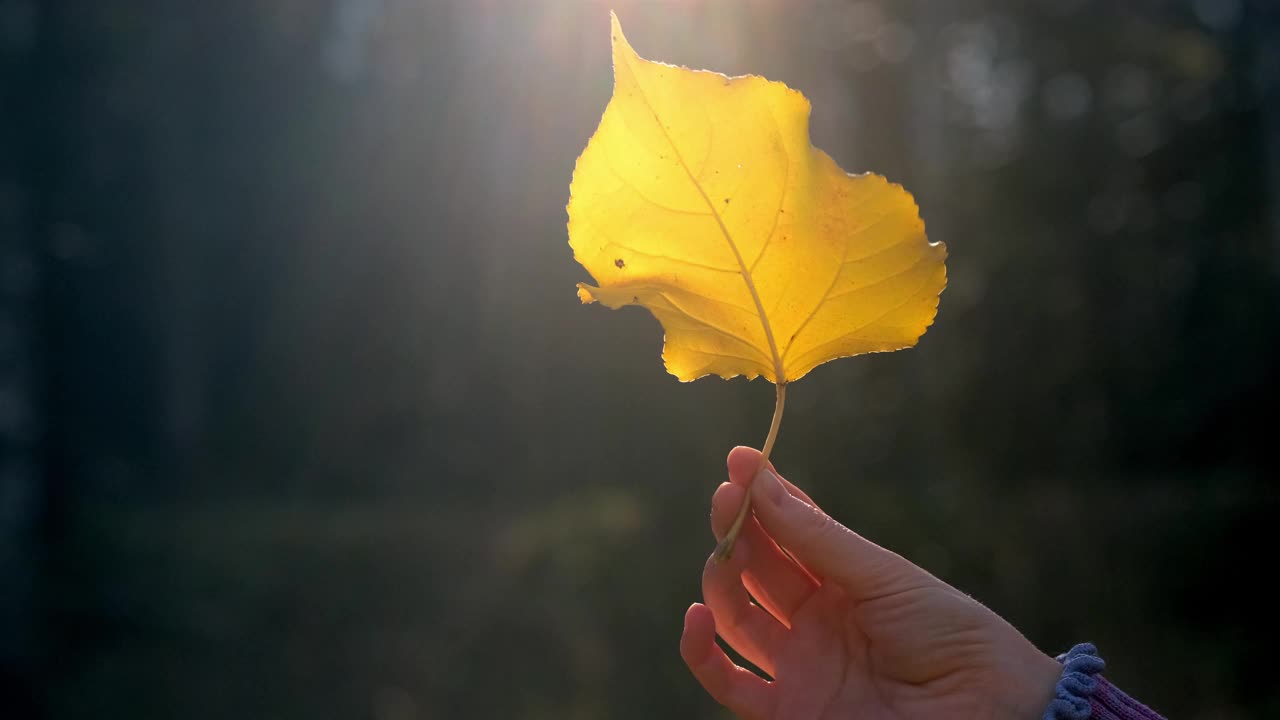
[700, 198]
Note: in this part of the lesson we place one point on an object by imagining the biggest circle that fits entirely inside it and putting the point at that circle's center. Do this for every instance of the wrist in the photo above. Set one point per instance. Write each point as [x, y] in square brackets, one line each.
[1036, 680]
[1026, 680]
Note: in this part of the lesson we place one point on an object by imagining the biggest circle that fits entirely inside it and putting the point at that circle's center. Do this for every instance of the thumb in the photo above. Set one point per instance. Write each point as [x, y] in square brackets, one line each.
[862, 568]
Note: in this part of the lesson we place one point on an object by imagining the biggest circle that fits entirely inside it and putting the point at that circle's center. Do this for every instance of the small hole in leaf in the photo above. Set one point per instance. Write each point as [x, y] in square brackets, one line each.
[726, 201]
[619, 263]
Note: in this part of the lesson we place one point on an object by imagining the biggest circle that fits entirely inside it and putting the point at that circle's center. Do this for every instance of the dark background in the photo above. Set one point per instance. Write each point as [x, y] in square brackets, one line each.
[300, 416]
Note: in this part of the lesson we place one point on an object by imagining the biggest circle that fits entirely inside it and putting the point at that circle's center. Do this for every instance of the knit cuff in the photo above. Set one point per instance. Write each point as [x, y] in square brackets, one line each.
[1083, 694]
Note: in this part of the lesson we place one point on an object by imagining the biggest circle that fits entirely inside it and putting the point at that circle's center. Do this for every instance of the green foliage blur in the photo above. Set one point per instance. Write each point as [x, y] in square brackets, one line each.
[300, 416]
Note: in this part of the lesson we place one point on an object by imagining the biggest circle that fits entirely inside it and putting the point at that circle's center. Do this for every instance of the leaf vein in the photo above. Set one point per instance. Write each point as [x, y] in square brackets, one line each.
[914, 294]
[725, 333]
[746, 273]
[669, 258]
[881, 281]
[640, 194]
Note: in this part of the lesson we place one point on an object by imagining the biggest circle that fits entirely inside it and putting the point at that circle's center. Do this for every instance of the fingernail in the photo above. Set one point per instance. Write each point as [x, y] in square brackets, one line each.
[769, 486]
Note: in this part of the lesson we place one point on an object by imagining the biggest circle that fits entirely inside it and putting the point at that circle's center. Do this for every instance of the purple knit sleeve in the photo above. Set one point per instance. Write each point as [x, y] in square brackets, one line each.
[1083, 694]
[1109, 703]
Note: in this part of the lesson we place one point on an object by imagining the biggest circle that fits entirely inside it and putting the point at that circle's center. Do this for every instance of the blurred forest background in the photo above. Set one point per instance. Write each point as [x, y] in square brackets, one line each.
[300, 416]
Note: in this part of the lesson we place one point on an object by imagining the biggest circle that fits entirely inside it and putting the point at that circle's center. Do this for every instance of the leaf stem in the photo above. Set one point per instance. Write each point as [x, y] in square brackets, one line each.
[724, 550]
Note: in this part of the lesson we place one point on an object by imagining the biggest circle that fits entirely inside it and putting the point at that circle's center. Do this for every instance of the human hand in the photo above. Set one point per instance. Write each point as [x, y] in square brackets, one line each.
[846, 629]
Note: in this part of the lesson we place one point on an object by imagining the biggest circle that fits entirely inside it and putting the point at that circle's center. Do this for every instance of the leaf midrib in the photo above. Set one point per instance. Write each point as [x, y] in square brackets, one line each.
[746, 273]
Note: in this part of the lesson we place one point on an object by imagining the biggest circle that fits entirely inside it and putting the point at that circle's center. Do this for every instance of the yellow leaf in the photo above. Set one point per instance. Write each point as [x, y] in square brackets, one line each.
[700, 198]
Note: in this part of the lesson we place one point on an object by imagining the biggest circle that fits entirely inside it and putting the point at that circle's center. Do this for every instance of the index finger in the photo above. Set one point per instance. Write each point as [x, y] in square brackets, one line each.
[743, 464]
